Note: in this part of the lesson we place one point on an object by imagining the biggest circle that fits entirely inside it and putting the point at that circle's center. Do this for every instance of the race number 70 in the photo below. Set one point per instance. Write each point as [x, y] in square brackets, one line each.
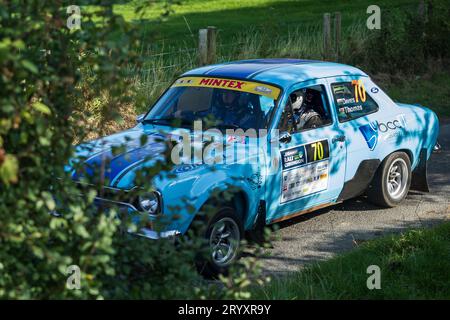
[318, 150]
[360, 91]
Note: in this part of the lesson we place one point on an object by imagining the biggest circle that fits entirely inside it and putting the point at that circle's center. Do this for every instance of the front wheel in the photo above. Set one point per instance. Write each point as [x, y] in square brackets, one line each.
[392, 181]
[223, 236]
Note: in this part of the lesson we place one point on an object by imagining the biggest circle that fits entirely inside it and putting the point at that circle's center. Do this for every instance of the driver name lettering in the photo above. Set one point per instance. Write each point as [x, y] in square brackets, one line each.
[351, 109]
[222, 83]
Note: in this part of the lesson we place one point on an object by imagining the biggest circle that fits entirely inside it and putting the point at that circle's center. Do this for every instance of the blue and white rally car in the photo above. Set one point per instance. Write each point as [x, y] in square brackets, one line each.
[331, 134]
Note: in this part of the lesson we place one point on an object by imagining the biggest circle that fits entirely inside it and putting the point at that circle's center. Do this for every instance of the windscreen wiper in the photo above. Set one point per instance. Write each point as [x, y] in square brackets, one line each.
[168, 121]
[225, 126]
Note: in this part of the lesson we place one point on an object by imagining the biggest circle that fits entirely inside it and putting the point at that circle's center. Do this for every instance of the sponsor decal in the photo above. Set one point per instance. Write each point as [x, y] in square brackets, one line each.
[263, 89]
[370, 134]
[390, 125]
[374, 90]
[184, 81]
[222, 83]
[236, 139]
[385, 130]
[293, 157]
[229, 84]
[304, 181]
[305, 170]
[308, 153]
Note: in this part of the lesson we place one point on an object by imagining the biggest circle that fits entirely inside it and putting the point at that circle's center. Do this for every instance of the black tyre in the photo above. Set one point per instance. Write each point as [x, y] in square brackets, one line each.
[223, 236]
[392, 181]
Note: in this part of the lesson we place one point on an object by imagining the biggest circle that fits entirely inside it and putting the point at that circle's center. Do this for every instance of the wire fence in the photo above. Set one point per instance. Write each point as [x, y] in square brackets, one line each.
[168, 47]
[162, 63]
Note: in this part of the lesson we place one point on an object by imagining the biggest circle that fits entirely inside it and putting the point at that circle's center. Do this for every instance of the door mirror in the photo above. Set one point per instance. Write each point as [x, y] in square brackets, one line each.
[140, 118]
[285, 137]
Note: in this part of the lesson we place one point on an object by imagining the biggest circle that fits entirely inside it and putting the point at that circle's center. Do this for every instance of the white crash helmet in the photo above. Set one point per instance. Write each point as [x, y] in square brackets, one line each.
[297, 101]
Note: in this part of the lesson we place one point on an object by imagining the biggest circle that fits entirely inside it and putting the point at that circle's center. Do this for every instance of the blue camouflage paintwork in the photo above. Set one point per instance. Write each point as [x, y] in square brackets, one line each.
[416, 127]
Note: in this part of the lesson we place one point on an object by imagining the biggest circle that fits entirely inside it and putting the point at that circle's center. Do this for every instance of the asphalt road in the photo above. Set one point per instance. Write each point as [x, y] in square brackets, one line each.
[324, 233]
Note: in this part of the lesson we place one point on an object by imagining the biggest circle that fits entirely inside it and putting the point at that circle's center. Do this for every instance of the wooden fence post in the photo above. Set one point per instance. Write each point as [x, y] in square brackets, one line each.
[326, 36]
[202, 46]
[211, 45]
[207, 45]
[421, 10]
[337, 34]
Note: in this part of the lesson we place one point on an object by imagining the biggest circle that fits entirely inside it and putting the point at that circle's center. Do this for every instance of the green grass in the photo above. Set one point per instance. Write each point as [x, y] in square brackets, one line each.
[414, 265]
[235, 16]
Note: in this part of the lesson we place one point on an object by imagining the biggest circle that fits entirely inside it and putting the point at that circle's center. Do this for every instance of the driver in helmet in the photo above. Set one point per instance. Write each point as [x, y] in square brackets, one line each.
[230, 110]
[304, 115]
[227, 106]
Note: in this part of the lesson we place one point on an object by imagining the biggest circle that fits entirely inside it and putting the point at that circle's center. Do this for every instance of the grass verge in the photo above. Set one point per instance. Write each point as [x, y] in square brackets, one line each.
[414, 265]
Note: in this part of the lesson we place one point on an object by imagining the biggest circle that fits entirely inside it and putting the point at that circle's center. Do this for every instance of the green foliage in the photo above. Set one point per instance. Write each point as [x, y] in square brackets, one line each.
[49, 76]
[413, 265]
[437, 29]
[431, 90]
[41, 61]
[409, 39]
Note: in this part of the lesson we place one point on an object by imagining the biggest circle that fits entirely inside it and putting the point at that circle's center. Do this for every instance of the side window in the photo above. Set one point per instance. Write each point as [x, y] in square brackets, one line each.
[307, 108]
[352, 100]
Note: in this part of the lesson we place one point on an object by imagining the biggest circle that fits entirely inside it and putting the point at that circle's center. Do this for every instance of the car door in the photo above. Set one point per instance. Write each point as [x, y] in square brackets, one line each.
[311, 163]
[358, 104]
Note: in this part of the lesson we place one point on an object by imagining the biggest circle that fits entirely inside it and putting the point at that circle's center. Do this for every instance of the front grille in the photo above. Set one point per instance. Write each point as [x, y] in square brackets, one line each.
[113, 196]
[108, 193]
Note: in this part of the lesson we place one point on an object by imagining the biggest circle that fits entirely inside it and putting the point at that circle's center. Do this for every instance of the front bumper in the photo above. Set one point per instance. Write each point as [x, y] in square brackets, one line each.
[128, 208]
[155, 235]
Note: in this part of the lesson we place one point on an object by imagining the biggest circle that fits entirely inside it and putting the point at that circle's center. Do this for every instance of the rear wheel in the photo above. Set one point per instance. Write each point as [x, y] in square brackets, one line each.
[392, 181]
[223, 236]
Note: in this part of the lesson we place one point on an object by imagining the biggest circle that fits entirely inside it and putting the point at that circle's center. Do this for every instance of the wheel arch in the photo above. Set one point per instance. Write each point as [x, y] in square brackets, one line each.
[234, 197]
[365, 174]
[408, 152]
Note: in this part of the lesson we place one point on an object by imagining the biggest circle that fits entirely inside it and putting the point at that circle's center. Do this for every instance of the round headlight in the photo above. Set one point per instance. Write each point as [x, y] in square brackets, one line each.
[149, 203]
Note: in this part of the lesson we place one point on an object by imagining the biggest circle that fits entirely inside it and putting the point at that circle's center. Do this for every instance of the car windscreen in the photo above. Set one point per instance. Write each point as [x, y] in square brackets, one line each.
[221, 103]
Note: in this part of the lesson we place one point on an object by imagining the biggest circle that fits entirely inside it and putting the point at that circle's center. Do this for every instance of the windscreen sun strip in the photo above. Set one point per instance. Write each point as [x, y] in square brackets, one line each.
[230, 84]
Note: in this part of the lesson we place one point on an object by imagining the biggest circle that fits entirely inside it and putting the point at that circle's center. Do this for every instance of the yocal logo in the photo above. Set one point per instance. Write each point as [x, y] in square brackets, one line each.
[390, 125]
[372, 131]
[370, 134]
